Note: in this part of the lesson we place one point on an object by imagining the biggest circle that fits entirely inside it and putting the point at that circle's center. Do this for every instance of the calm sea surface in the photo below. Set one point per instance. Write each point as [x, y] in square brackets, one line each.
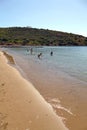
[70, 60]
[60, 78]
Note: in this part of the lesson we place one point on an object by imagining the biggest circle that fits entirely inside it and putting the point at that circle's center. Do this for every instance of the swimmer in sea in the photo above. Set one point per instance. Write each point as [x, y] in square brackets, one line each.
[51, 53]
[39, 55]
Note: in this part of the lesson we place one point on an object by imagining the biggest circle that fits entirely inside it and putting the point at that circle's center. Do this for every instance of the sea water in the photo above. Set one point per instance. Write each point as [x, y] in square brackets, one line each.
[61, 79]
[70, 60]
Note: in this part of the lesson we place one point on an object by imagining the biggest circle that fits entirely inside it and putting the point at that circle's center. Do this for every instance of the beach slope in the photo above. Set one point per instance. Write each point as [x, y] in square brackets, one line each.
[21, 105]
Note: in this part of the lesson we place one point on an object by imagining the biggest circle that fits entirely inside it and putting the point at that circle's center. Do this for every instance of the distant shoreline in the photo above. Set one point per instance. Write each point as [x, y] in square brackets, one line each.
[15, 36]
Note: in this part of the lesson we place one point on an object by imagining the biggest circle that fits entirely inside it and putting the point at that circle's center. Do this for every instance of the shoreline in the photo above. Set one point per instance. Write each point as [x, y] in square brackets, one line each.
[21, 105]
[66, 94]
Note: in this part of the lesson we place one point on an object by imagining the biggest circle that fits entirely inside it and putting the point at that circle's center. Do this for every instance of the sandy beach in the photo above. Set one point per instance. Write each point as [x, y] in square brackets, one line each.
[21, 105]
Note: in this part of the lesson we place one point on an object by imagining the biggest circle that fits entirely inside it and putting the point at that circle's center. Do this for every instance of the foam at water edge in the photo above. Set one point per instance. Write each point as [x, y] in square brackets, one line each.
[55, 103]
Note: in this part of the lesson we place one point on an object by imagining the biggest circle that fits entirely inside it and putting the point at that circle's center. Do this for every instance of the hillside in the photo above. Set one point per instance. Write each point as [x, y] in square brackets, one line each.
[34, 36]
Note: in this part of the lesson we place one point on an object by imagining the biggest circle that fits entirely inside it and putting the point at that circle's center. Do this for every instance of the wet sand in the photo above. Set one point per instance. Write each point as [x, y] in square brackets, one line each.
[21, 105]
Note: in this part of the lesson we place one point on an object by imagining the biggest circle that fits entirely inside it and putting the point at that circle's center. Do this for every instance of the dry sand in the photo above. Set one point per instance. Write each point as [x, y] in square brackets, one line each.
[21, 105]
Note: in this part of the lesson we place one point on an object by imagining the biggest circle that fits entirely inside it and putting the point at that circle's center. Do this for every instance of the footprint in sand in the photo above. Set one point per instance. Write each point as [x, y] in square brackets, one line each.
[2, 92]
[3, 84]
[2, 87]
[3, 123]
[3, 126]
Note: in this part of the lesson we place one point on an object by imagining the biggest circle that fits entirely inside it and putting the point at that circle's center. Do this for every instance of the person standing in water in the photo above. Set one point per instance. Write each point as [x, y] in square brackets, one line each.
[31, 50]
[51, 53]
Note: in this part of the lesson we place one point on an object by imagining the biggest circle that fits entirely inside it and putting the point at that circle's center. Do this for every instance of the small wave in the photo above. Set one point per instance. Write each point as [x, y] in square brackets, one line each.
[57, 106]
[55, 103]
[55, 100]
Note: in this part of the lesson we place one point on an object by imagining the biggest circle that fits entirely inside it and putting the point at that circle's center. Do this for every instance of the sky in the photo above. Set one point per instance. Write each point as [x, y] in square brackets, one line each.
[60, 15]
